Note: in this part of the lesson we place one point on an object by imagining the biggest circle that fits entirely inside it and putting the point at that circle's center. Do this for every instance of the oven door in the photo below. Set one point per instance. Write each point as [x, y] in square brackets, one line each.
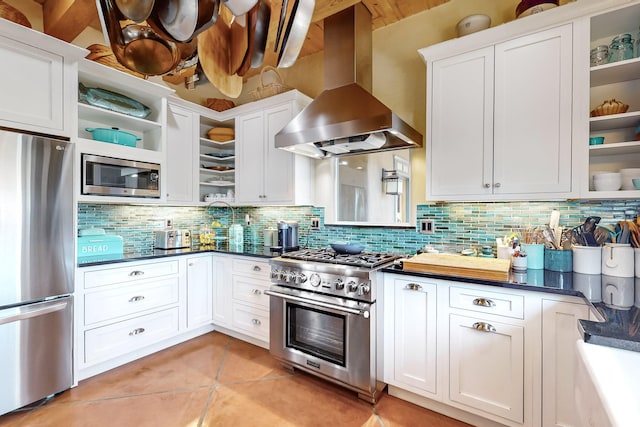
[325, 335]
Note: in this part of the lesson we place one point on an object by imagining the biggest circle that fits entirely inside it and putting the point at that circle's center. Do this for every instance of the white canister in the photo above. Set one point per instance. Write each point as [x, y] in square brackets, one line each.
[587, 259]
[618, 292]
[618, 260]
[270, 237]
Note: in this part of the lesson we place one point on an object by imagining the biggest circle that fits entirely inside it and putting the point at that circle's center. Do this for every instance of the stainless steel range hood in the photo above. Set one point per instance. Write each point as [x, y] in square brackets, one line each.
[345, 118]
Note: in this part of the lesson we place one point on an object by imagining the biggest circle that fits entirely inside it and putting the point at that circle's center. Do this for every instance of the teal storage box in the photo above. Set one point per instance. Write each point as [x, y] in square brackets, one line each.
[99, 245]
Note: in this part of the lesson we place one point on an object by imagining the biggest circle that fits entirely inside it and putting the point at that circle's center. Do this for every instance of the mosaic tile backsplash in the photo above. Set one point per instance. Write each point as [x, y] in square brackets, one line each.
[457, 225]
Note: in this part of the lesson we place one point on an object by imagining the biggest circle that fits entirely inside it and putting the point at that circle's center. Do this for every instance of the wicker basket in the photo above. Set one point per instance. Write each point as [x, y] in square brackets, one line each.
[610, 106]
[270, 89]
[103, 55]
[12, 14]
[219, 104]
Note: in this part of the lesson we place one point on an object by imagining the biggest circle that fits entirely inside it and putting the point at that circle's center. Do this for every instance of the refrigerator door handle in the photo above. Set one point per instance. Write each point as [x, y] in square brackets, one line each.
[27, 312]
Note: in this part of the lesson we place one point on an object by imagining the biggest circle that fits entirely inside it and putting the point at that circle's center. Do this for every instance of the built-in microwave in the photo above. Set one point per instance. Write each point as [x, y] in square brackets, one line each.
[108, 176]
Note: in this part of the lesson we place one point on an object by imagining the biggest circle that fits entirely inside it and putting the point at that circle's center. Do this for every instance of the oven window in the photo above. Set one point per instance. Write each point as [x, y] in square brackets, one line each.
[317, 333]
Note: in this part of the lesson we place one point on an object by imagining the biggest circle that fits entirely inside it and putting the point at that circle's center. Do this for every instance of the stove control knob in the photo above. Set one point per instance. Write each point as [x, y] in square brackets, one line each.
[339, 284]
[288, 276]
[300, 278]
[315, 280]
[363, 289]
[276, 274]
[352, 286]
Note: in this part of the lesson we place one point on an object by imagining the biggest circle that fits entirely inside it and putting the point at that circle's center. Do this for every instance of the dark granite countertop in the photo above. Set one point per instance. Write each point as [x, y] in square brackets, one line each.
[620, 328]
[248, 250]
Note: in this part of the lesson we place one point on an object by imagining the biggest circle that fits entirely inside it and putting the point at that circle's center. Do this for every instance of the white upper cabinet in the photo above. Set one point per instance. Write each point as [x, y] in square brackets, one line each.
[268, 175]
[179, 181]
[36, 71]
[499, 119]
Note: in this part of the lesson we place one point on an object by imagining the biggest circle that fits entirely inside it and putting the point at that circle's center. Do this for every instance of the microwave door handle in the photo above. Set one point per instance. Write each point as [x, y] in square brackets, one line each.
[317, 303]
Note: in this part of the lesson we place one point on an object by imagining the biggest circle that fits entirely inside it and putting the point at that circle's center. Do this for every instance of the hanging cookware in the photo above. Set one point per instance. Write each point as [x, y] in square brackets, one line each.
[207, 15]
[135, 46]
[252, 17]
[281, 21]
[187, 49]
[296, 32]
[135, 10]
[178, 17]
[240, 7]
[260, 35]
[238, 44]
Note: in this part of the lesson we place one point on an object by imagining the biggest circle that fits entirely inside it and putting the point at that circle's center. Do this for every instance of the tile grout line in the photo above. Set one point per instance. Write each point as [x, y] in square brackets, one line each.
[215, 382]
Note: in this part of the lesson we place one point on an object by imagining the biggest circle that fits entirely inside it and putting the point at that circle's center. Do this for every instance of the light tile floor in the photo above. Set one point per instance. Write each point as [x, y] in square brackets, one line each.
[216, 380]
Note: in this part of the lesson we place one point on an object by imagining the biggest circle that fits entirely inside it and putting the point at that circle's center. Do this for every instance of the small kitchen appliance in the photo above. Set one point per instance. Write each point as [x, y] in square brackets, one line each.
[288, 236]
[323, 315]
[172, 239]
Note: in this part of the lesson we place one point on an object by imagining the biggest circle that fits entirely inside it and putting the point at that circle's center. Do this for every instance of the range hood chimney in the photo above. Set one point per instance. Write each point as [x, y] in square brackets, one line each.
[345, 118]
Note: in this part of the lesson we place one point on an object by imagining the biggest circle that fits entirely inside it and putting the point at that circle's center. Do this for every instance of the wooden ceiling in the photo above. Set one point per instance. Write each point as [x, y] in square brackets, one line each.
[66, 19]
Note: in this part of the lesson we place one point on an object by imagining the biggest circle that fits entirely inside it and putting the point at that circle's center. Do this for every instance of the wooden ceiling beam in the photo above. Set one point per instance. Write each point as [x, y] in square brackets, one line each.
[66, 19]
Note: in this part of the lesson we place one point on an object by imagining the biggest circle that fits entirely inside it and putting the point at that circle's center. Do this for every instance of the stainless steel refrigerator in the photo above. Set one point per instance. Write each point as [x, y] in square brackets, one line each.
[36, 268]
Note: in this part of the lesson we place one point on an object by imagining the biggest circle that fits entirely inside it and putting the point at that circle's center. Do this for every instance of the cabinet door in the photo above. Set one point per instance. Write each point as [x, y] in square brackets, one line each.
[486, 366]
[415, 334]
[31, 83]
[279, 165]
[222, 290]
[199, 291]
[250, 158]
[459, 149]
[559, 336]
[533, 101]
[179, 167]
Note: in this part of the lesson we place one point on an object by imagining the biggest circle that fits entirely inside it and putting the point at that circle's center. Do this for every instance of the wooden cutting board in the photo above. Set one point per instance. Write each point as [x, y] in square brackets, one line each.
[214, 56]
[457, 265]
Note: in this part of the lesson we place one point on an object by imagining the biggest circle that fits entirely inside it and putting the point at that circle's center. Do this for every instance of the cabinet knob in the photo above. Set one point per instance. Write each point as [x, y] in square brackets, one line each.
[136, 331]
[484, 302]
[256, 322]
[487, 185]
[256, 268]
[136, 298]
[497, 185]
[136, 273]
[485, 327]
[413, 287]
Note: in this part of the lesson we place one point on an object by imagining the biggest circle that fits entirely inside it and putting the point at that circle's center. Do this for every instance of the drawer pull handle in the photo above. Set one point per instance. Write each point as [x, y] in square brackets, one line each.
[136, 331]
[413, 287]
[136, 298]
[484, 302]
[256, 291]
[256, 322]
[136, 273]
[256, 268]
[486, 327]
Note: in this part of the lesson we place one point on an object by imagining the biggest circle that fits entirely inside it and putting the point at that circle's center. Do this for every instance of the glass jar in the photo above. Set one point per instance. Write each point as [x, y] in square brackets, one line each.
[621, 48]
[599, 55]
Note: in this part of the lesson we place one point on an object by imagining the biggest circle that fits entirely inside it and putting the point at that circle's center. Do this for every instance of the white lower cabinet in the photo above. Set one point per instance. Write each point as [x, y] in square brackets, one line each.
[486, 366]
[410, 351]
[129, 310]
[559, 336]
[222, 290]
[199, 290]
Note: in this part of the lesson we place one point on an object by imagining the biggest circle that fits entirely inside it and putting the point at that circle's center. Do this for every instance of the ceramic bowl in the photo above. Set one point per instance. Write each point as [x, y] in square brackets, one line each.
[351, 248]
[608, 181]
[472, 23]
[636, 183]
[628, 174]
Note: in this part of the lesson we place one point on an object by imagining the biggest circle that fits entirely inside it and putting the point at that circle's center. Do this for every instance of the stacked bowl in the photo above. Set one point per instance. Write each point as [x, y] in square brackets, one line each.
[628, 175]
[607, 181]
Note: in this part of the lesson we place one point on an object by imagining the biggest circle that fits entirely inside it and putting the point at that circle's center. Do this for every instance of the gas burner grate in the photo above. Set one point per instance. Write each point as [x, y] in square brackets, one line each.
[363, 259]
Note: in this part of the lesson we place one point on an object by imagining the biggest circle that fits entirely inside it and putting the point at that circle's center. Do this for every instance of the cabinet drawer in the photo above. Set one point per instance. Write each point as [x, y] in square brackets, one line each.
[125, 300]
[251, 321]
[483, 301]
[114, 340]
[129, 273]
[251, 267]
[251, 291]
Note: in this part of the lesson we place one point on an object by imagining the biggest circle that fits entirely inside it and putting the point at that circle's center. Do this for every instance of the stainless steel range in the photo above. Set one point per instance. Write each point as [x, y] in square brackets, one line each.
[323, 315]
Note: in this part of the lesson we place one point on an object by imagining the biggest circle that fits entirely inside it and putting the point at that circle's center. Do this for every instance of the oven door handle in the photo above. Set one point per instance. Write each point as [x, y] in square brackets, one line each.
[364, 313]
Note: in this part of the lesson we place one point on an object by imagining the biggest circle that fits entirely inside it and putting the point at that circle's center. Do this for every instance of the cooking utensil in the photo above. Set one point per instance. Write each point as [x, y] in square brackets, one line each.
[178, 17]
[114, 136]
[207, 15]
[135, 10]
[260, 34]
[239, 45]
[351, 248]
[283, 16]
[296, 32]
[252, 17]
[213, 50]
[240, 7]
[188, 50]
[137, 47]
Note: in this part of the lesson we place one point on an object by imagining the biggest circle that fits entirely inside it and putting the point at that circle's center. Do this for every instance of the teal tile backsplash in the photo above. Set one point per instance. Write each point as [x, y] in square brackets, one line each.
[458, 225]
